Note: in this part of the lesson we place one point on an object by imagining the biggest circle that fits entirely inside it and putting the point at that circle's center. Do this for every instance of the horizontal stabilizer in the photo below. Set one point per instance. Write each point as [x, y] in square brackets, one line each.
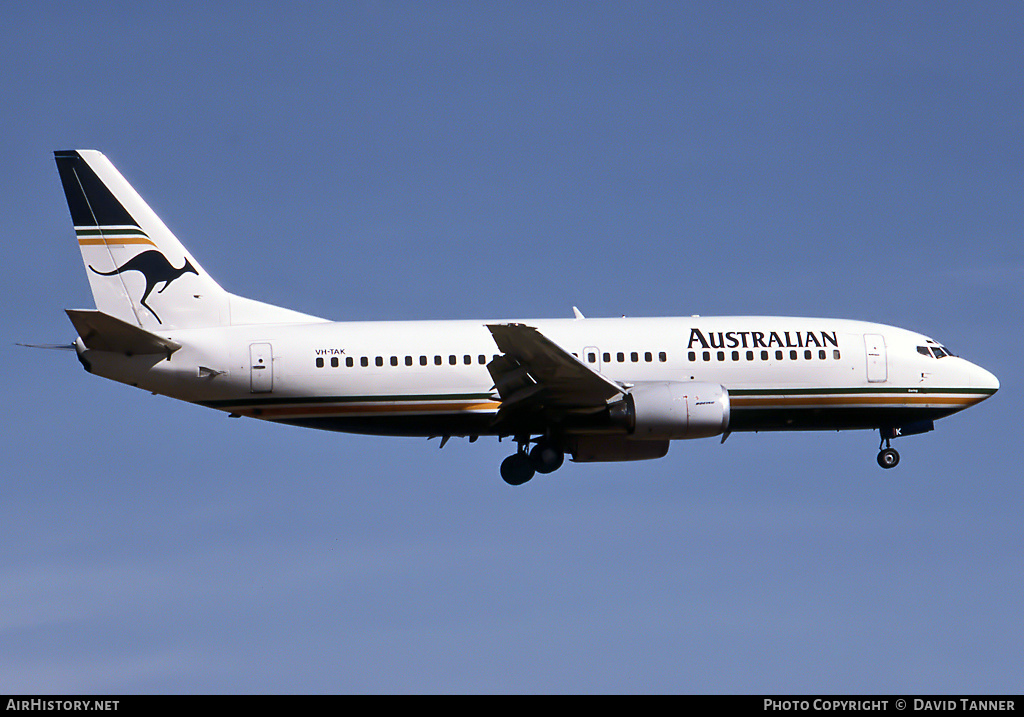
[102, 332]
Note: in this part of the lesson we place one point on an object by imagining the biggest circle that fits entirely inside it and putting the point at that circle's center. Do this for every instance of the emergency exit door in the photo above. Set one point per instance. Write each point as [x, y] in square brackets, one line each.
[261, 372]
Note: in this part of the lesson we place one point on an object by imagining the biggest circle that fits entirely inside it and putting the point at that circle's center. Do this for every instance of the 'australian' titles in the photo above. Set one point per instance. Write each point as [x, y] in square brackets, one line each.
[761, 339]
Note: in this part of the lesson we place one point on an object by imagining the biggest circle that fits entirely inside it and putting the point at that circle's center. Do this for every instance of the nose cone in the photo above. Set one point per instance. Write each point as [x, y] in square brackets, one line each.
[984, 380]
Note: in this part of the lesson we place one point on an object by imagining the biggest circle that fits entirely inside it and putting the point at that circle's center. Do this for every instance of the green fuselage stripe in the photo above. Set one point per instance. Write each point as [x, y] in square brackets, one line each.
[859, 390]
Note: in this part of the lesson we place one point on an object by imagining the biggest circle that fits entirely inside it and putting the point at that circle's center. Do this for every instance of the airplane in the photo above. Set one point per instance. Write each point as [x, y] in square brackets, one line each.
[596, 389]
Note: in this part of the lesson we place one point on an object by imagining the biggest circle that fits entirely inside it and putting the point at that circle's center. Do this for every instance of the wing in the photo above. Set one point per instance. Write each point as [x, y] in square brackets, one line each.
[535, 373]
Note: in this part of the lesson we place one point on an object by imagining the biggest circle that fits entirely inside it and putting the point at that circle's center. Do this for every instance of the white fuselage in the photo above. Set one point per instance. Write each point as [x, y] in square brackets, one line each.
[430, 378]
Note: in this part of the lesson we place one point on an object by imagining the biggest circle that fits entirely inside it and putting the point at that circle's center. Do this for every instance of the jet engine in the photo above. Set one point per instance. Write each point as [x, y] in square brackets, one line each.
[673, 410]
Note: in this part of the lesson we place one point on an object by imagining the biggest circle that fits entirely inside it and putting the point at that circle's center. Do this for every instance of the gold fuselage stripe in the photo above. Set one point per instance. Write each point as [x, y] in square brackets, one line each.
[350, 409]
[114, 241]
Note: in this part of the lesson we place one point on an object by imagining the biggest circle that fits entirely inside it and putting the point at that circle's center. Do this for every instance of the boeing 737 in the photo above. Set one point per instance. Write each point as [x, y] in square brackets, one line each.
[615, 389]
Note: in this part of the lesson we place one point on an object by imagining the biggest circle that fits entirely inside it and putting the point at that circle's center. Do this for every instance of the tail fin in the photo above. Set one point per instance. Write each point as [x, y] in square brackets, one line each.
[138, 270]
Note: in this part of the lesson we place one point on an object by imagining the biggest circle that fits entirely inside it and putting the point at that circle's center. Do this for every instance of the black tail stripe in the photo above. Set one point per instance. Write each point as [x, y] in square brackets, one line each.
[89, 200]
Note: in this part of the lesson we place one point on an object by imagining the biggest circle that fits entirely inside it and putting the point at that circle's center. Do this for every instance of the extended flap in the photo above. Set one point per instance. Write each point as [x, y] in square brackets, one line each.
[536, 368]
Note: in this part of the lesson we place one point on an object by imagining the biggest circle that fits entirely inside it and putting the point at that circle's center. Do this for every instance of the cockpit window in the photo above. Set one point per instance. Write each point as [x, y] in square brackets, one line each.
[934, 350]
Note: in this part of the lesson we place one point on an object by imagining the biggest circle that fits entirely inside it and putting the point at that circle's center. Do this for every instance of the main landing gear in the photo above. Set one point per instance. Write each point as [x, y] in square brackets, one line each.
[545, 457]
[888, 457]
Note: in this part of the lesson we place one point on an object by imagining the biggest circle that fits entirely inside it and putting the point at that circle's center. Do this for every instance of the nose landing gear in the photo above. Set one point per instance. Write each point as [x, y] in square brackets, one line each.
[888, 457]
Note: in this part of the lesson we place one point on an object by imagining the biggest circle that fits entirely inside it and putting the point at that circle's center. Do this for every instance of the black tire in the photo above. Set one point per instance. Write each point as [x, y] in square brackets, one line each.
[516, 469]
[546, 458]
[888, 458]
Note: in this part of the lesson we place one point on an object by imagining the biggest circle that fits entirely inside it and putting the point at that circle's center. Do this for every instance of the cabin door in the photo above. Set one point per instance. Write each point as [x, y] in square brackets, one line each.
[261, 372]
[874, 345]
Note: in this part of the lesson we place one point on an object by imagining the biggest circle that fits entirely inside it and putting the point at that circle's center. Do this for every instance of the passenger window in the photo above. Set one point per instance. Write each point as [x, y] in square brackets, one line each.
[808, 354]
[663, 357]
[320, 363]
[620, 357]
[452, 360]
[792, 355]
[379, 361]
[692, 356]
[821, 354]
[735, 355]
[467, 359]
[334, 362]
[648, 356]
[721, 355]
[607, 357]
[591, 357]
[750, 355]
[707, 356]
[778, 355]
[634, 357]
[364, 362]
[482, 359]
[349, 362]
[394, 360]
[423, 360]
[408, 360]
[437, 360]
[835, 354]
[764, 355]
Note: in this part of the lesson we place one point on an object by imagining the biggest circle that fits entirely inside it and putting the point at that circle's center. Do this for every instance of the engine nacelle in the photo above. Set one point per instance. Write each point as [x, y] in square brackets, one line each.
[673, 410]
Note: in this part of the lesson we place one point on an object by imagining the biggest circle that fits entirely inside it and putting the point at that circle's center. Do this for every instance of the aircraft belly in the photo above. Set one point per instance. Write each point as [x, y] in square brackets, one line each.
[409, 426]
[806, 418]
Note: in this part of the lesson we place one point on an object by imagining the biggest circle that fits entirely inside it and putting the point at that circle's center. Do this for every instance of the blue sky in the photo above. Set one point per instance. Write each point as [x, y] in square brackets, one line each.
[383, 160]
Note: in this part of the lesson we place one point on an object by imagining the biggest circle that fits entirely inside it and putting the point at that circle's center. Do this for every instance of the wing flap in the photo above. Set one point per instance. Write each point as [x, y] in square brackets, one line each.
[534, 369]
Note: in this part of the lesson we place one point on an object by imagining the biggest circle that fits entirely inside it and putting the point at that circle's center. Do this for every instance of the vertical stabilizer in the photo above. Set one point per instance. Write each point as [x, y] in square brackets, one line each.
[138, 270]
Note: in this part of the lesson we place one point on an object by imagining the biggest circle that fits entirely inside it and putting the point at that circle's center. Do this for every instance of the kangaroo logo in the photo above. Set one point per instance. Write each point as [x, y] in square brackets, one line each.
[154, 266]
